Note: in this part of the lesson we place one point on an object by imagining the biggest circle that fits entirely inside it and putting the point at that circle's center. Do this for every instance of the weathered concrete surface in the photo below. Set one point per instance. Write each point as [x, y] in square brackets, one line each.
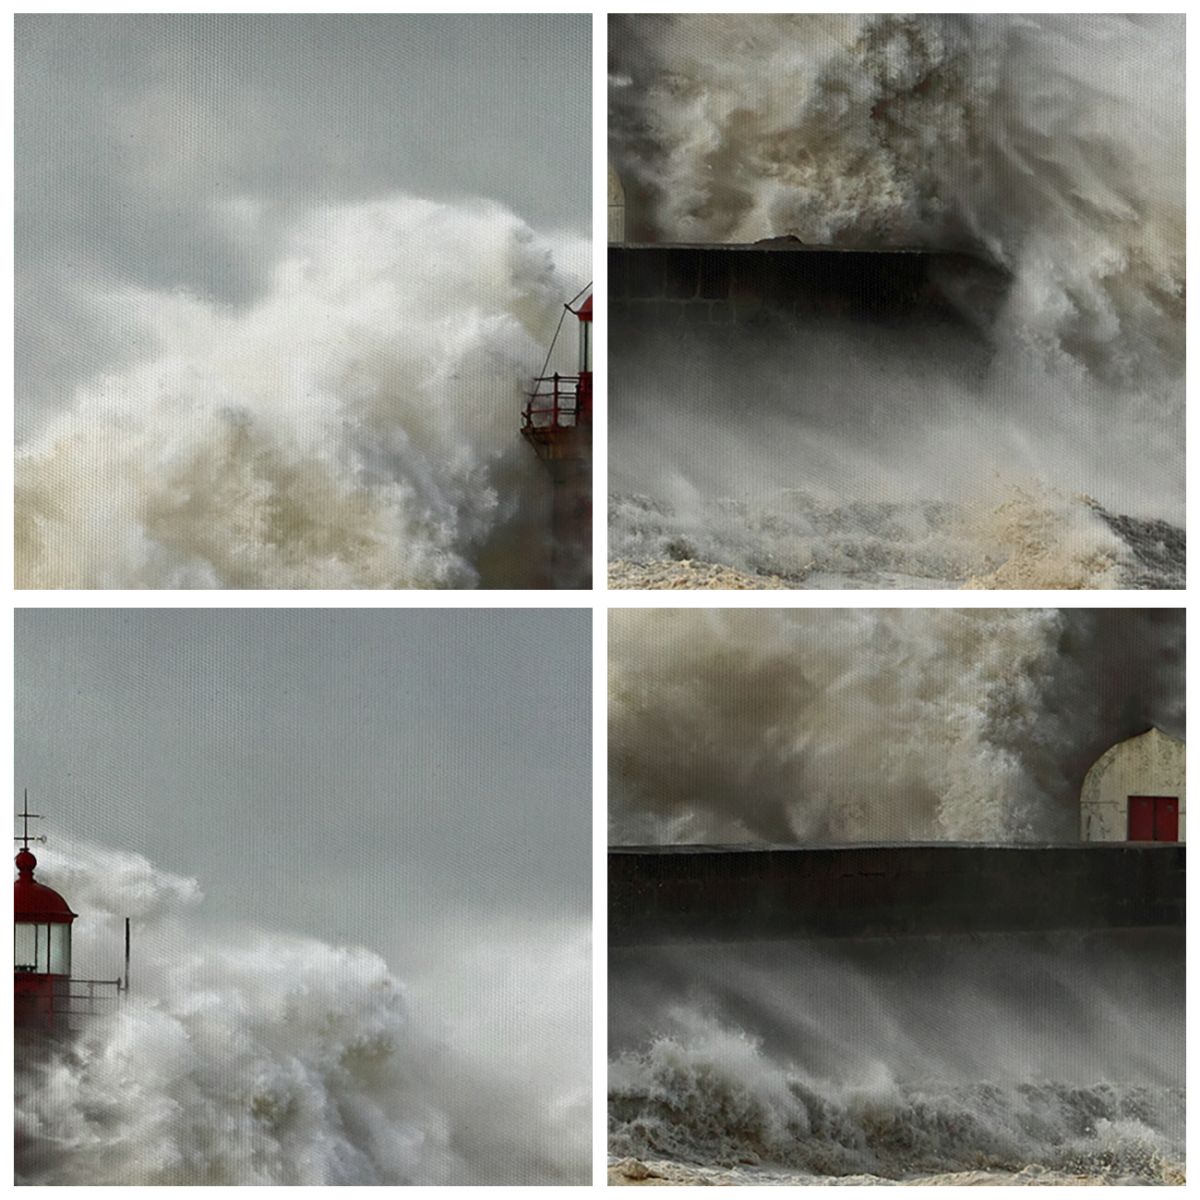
[1151, 764]
[715, 893]
[616, 207]
[757, 284]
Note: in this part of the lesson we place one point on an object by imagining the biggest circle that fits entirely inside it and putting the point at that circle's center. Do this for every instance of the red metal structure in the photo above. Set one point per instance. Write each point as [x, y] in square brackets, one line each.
[46, 997]
[42, 951]
[557, 423]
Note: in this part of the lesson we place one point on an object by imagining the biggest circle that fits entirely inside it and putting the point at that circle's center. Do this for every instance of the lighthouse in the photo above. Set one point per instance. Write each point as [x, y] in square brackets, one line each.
[42, 945]
[46, 997]
[557, 423]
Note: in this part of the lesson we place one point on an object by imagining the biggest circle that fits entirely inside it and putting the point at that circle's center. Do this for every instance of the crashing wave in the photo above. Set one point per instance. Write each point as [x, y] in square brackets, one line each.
[353, 427]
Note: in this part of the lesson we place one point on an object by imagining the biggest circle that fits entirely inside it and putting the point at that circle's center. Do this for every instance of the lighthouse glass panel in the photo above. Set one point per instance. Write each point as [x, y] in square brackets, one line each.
[33, 948]
[60, 949]
[585, 345]
[26, 947]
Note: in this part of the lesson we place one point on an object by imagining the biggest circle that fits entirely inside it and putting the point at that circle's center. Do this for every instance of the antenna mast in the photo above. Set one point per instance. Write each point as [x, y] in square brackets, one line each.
[26, 816]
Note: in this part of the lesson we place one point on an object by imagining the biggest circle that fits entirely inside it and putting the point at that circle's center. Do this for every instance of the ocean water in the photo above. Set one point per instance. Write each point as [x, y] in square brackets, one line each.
[1038, 446]
[1012, 1059]
[356, 425]
[253, 1057]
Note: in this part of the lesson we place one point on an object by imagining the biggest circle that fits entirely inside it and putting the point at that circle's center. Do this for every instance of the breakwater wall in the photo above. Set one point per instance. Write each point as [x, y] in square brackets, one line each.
[719, 893]
[762, 283]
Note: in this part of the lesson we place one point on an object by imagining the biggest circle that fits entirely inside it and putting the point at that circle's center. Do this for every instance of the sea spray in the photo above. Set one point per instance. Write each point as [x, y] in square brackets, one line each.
[356, 425]
[822, 726]
[1051, 145]
[247, 1056]
[1055, 143]
[901, 1060]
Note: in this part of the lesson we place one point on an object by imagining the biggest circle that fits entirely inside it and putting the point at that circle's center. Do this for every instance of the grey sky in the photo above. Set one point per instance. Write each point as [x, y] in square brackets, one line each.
[356, 775]
[134, 134]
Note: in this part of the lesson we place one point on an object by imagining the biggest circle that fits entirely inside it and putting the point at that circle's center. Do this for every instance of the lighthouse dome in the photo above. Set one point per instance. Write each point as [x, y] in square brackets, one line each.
[33, 901]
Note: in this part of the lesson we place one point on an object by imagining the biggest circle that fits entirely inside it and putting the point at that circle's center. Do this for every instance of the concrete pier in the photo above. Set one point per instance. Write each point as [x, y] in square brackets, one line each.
[717, 285]
[718, 893]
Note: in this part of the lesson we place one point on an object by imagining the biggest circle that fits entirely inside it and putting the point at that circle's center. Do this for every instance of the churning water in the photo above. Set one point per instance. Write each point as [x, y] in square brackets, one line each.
[354, 426]
[251, 1057]
[1040, 447]
[1045, 1059]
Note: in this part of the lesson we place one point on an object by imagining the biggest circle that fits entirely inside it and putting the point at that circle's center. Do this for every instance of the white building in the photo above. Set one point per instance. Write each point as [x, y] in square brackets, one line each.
[616, 208]
[1134, 791]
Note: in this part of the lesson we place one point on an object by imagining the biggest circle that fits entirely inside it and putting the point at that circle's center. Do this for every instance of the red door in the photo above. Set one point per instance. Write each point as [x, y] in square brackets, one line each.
[1154, 818]
[1141, 818]
[1166, 819]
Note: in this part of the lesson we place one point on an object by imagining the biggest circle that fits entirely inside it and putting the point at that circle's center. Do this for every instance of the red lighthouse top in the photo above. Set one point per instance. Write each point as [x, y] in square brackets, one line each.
[43, 921]
[33, 901]
[584, 311]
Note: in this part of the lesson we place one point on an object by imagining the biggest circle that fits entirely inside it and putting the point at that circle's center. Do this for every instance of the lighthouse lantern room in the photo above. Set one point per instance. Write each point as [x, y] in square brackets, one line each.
[47, 1000]
[42, 946]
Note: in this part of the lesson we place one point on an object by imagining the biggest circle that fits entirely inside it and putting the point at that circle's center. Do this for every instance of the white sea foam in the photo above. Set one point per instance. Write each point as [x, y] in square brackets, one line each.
[354, 426]
[246, 1056]
[1002, 1057]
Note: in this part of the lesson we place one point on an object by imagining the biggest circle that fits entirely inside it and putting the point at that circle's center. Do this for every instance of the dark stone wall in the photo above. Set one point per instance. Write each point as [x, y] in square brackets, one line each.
[734, 893]
[761, 283]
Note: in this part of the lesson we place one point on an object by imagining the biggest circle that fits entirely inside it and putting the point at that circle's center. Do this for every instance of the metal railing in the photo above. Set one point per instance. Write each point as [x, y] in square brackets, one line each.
[554, 403]
[65, 1010]
[90, 1002]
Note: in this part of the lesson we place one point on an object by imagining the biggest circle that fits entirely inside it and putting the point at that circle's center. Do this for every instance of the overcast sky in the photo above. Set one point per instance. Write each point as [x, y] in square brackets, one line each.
[356, 775]
[143, 141]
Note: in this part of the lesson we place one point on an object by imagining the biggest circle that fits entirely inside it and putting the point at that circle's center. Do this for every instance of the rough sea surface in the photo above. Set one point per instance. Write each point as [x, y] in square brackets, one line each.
[1031, 539]
[997, 1059]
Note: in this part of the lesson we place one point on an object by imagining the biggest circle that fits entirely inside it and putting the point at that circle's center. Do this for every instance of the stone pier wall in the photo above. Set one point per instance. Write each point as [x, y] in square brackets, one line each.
[760, 283]
[718, 893]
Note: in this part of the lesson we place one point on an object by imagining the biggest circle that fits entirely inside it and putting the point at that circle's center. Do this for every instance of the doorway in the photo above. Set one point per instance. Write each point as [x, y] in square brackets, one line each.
[1154, 818]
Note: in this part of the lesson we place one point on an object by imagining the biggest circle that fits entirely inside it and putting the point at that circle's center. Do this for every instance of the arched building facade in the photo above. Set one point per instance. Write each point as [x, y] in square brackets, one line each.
[1135, 791]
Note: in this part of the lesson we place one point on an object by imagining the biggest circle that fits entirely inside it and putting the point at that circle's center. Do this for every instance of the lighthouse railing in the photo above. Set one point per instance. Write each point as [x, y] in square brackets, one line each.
[554, 403]
[65, 1005]
[89, 998]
